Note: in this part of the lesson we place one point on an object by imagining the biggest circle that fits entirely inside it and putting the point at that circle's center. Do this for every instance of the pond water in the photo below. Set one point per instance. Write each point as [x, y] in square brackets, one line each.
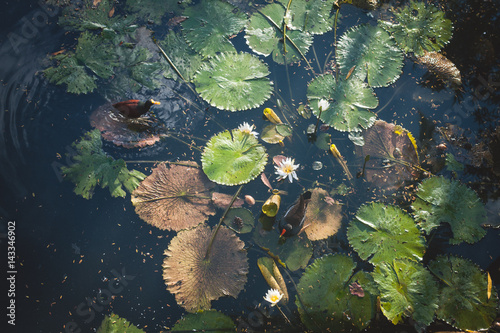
[76, 260]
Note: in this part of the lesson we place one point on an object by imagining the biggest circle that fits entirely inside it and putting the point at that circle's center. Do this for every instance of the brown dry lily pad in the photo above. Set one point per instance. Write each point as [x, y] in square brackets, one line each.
[195, 280]
[122, 131]
[393, 155]
[222, 200]
[273, 277]
[323, 216]
[174, 197]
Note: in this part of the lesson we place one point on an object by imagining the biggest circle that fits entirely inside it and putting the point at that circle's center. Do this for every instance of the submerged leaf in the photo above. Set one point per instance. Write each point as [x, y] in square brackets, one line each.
[205, 321]
[380, 233]
[174, 198]
[325, 302]
[233, 158]
[234, 81]
[196, 280]
[322, 215]
[373, 53]
[351, 101]
[93, 167]
[463, 297]
[407, 289]
[440, 200]
[115, 324]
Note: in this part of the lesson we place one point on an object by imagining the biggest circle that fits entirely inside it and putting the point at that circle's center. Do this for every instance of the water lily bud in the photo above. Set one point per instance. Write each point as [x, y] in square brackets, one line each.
[249, 200]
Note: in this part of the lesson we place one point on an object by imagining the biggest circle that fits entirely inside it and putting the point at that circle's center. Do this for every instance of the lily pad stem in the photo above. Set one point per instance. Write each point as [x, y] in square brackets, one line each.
[284, 316]
[284, 25]
[335, 44]
[214, 232]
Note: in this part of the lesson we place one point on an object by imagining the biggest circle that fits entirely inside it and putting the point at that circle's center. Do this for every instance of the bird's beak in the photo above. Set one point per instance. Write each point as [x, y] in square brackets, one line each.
[282, 232]
[155, 102]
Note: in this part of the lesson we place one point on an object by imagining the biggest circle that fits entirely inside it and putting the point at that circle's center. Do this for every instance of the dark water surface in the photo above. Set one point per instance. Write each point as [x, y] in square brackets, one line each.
[72, 253]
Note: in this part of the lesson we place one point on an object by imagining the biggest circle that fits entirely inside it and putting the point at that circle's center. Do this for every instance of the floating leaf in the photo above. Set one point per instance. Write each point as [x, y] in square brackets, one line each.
[442, 67]
[393, 155]
[233, 158]
[440, 200]
[93, 167]
[264, 35]
[322, 215]
[240, 220]
[185, 59]
[324, 300]
[380, 233]
[270, 134]
[295, 252]
[273, 277]
[313, 17]
[373, 54]
[323, 141]
[115, 324]
[153, 10]
[419, 28]
[463, 299]
[70, 72]
[210, 24]
[234, 81]
[196, 280]
[222, 200]
[174, 198]
[284, 129]
[208, 321]
[351, 101]
[407, 289]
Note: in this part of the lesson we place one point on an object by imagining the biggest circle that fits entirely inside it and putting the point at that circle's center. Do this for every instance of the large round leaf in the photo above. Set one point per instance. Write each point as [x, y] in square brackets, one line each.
[350, 101]
[419, 27]
[209, 25]
[380, 233]
[373, 53]
[406, 289]
[463, 297]
[440, 200]
[233, 158]
[314, 17]
[264, 35]
[323, 215]
[234, 81]
[324, 298]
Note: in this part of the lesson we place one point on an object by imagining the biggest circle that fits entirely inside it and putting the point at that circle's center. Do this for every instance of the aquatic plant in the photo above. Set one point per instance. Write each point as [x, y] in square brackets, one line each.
[93, 167]
[440, 200]
[442, 67]
[174, 197]
[313, 17]
[323, 215]
[239, 219]
[114, 324]
[206, 320]
[273, 277]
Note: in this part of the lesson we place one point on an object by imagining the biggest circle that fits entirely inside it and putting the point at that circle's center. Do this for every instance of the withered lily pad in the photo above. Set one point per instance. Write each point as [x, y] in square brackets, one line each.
[323, 216]
[196, 280]
[174, 197]
[273, 277]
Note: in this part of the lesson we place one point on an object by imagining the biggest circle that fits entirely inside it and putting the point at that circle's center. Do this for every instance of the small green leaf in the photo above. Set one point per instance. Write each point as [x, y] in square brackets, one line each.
[314, 17]
[70, 72]
[240, 220]
[115, 324]
[205, 320]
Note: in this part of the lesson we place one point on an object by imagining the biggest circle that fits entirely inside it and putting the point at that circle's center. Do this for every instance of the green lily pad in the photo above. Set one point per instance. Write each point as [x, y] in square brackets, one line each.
[380, 233]
[234, 81]
[210, 24]
[264, 35]
[270, 134]
[419, 27]
[407, 289]
[325, 301]
[233, 158]
[115, 324]
[93, 167]
[440, 200]
[207, 320]
[323, 141]
[240, 220]
[71, 72]
[284, 129]
[351, 101]
[374, 53]
[185, 59]
[463, 296]
[314, 17]
[295, 252]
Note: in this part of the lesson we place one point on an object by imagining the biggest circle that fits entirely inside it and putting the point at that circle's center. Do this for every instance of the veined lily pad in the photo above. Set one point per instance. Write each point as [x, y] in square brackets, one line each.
[93, 167]
[380, 233]
[295, 252]
[324, 298]
[441, 200]
[323, 216]
[240, 220]
[314, 17]
[208, 321]
[407, 289]
[210, 24]
[351, 101]
[264, 35]
[419, 27]
[113, 323]
[284, 129]
[463, 297]
[270, 134]
[153, 10]
[273, 277]
[185, 59]
[374, 54]
[234, 81]
[233, 158]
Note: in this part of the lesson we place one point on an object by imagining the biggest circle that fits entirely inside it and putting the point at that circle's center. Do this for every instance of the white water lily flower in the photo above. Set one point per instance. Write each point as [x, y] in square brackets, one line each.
[273, 296]
[287, 169]
[248, 129]
[323, 104]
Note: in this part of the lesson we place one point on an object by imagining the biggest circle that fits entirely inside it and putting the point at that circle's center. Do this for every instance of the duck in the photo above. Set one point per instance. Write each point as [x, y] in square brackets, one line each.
[134, 108]
[292, 221]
